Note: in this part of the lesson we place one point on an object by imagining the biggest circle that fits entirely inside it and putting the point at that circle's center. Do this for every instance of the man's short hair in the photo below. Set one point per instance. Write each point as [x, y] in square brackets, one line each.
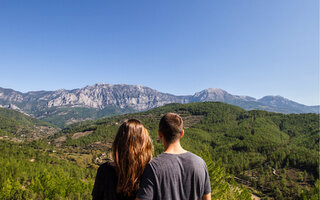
[171, 126]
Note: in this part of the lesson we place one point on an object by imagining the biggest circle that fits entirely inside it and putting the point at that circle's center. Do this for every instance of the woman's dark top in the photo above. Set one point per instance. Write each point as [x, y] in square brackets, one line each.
[105, 185]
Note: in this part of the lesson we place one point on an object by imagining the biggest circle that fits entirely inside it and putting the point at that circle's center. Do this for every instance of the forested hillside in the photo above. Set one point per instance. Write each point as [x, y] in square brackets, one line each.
[32, 168]
[272, 155]
[64, 116]
[21, 126]
[276, 155]
[35, 171]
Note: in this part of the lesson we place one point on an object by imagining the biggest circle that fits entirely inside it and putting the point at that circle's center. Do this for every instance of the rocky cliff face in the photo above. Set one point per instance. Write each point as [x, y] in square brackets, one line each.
[216, 94]
[99, 97]
[284, 103]
[122, 96]
[9, 95]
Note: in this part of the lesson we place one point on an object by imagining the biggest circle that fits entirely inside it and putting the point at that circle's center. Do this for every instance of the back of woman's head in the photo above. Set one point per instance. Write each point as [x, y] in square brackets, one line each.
[131, 152]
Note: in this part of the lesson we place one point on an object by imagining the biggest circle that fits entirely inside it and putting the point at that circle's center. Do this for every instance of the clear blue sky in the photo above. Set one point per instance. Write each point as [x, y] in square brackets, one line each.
[247, 47]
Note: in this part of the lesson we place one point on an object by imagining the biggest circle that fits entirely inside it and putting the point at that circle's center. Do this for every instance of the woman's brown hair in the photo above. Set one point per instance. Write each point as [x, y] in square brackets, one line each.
[131, 152]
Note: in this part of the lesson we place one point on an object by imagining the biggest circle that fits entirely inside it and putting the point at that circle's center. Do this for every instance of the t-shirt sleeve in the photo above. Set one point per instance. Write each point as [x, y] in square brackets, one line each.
[147, 184]
[207, 186]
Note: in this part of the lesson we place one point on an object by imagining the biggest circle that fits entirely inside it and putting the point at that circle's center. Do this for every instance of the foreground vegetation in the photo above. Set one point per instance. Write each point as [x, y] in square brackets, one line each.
[36, 171]
[272, 155]
[28, 172]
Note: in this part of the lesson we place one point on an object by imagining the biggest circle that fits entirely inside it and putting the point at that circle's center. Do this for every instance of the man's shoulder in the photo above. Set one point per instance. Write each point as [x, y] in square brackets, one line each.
[187, 154]
[196, 160]
[164, 159]
[157, 160]
[196, 157]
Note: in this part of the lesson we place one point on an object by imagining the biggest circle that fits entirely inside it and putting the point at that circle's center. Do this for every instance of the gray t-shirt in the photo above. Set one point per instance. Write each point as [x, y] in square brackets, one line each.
[175, 176]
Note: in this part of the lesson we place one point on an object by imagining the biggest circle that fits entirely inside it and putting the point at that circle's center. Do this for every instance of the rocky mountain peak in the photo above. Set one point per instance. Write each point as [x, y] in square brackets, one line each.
[275, 99]
[120, 95]
[215, 90]
[212, 94]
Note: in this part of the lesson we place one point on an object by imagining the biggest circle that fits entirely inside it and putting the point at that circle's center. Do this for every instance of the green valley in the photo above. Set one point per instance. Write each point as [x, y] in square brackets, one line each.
[272, 155]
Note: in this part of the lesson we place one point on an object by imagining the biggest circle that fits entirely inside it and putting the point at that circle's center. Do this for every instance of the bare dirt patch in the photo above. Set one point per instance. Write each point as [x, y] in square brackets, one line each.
[74, 120]
[189, 121]
[45, 130]
[60, 139]
[81, 134]
[254, 197]
[103, 146]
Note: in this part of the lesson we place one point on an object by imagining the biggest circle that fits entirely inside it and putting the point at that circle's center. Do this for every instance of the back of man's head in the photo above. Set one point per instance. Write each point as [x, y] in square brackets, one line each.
[171, 127]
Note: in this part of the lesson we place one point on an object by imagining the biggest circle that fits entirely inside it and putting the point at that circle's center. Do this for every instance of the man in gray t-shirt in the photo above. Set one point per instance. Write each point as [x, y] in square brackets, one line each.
[175, 174]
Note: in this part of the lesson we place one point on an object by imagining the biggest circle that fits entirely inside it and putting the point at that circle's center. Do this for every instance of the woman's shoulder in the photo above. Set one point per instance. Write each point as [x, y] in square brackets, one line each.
[105, 182]
[107, 168]
[108, 164]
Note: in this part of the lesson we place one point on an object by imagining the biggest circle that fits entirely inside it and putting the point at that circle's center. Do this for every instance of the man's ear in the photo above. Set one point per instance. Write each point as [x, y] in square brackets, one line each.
[160, 134]
[161, 137]
[182, 133]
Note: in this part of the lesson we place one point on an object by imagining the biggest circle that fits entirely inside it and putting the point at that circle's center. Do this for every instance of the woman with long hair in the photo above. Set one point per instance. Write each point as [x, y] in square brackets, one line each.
[131, 152]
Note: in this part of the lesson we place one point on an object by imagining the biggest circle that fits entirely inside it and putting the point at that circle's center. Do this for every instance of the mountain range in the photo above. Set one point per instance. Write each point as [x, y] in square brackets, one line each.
[63, 107]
